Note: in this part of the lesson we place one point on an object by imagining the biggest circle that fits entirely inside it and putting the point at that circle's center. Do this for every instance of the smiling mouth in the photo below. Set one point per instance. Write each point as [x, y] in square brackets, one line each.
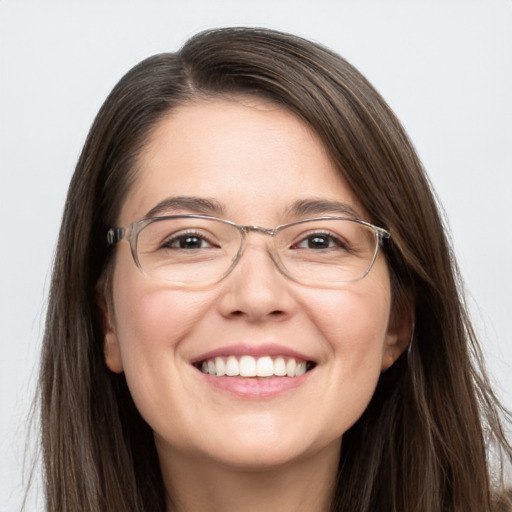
[249, 366]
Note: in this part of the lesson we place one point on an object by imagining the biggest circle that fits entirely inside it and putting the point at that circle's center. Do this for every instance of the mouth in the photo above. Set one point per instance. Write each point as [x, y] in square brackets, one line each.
[247, 366]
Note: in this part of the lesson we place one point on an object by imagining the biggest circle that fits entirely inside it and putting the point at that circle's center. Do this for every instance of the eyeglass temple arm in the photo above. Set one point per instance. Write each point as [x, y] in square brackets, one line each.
[115, 235]
[383, 234]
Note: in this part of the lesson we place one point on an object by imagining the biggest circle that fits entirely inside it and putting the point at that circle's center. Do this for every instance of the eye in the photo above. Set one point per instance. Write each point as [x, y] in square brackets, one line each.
[320, 241]
[187, 241]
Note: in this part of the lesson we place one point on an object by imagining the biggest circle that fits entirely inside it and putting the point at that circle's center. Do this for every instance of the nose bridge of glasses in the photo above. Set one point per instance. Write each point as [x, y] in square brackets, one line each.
[270, 248]
[258, 229]
[269, 242]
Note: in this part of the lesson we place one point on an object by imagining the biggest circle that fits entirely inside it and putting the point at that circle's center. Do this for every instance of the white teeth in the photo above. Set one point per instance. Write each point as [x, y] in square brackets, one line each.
[248, 366]
[221, 367]
[291, 366]
[280, 367]
[232, 367]
[265, 367]
[301, 369]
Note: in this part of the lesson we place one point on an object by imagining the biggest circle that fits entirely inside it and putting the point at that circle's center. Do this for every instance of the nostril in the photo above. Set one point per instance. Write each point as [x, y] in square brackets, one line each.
[275, 314]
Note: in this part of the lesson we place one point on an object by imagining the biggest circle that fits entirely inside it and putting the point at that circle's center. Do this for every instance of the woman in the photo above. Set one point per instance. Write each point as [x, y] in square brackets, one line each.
[254, 305]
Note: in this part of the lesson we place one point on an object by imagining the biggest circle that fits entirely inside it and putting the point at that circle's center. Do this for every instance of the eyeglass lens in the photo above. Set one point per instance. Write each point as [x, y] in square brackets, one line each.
[192, 251]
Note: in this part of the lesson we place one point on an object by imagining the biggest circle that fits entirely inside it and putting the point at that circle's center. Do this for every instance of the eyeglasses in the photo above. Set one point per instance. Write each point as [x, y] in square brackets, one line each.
[198, 250]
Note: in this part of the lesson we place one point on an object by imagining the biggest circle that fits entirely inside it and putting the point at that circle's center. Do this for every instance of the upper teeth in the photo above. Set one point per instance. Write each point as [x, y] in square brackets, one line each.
[248, 366]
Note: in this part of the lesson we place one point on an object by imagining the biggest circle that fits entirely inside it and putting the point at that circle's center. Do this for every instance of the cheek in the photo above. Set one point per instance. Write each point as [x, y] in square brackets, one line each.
[152, 325]
[353, 320]
[150, 318]
[353, 324]
[150, 321]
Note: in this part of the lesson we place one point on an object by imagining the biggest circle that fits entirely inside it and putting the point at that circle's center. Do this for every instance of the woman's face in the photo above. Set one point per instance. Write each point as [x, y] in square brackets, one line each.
[254, 160]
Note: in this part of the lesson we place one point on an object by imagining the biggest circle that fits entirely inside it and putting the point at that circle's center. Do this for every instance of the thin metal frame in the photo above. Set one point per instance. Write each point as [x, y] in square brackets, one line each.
[131, 234]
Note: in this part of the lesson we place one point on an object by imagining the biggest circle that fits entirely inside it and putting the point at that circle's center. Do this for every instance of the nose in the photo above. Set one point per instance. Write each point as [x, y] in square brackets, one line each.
[256, 289]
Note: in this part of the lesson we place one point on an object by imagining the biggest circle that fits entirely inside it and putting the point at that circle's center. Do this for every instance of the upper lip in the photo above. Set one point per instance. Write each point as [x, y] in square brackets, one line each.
[254, 350]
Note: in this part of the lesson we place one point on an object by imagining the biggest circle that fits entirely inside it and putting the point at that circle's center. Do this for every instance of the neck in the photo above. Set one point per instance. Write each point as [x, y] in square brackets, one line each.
[306, 485]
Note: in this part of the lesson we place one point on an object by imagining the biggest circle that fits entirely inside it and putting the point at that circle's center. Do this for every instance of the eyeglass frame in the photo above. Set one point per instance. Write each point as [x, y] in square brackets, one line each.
[132, 231]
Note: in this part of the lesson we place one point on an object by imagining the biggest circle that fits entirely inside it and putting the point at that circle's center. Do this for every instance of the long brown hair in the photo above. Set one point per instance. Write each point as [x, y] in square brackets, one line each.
[423, 442]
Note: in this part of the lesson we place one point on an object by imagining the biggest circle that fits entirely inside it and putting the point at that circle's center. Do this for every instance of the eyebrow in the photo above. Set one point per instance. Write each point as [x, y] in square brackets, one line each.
[194, 204]
[308, 207]
[201, 205]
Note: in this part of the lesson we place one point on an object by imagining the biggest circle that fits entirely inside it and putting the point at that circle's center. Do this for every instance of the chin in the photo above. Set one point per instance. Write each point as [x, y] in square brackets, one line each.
[261, 450]
[257, 460]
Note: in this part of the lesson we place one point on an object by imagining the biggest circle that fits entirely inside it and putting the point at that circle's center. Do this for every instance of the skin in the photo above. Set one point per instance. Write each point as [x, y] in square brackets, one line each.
[278, 453]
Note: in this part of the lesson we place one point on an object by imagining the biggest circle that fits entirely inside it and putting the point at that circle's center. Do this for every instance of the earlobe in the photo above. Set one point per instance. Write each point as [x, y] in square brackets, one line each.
[112, 353]
[111, 348]
[399, 335]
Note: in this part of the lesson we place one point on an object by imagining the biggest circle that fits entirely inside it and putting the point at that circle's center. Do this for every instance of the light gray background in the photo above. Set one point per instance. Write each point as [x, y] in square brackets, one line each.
[445, 67]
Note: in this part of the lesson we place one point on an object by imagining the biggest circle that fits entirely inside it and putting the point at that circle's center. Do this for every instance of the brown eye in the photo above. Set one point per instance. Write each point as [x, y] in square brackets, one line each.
[187, 241]
[318, 241]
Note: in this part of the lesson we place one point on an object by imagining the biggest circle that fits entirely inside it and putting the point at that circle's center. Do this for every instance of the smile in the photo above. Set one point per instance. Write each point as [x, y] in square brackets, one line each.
[249, 366]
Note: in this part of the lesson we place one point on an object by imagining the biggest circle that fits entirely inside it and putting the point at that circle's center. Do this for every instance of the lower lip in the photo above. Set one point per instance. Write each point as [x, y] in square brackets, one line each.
[254, 388]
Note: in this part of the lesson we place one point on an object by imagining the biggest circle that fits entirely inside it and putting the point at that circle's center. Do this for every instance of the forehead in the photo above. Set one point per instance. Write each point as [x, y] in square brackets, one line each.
[253, 158]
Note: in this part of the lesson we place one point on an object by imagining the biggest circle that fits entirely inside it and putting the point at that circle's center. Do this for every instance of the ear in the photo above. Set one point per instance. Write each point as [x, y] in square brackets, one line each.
[399, 335]
[111, 347]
